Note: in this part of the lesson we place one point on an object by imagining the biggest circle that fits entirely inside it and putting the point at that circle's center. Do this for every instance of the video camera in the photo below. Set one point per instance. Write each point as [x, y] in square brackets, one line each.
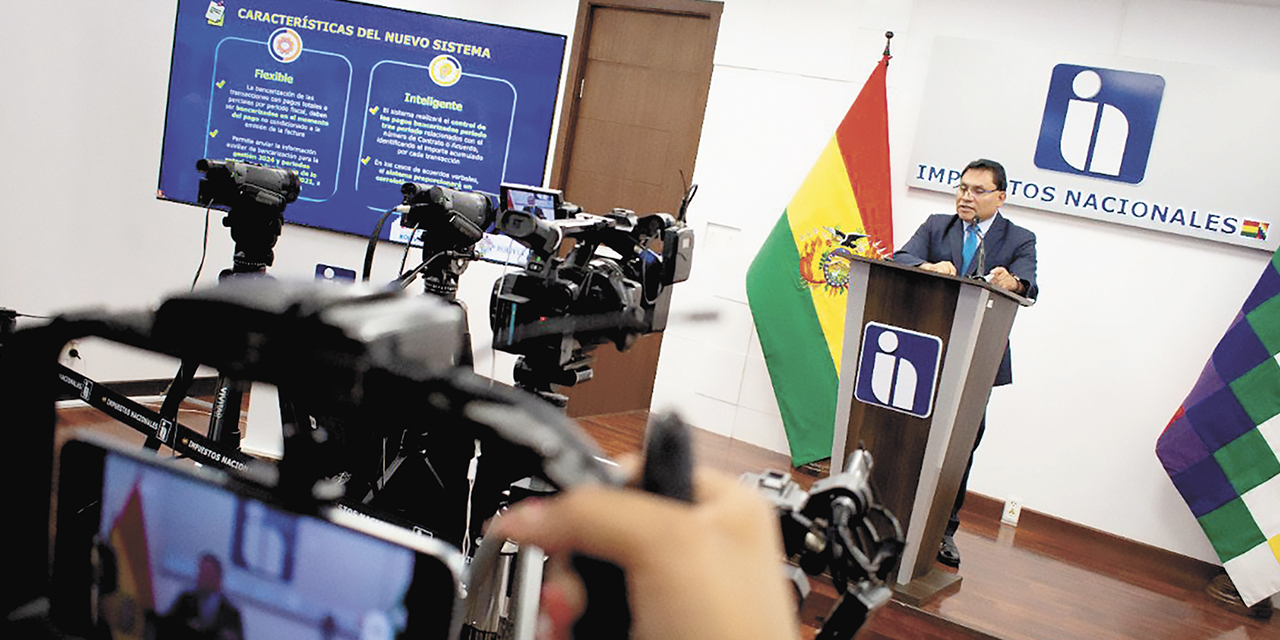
[452, 222]
[256, 197]
[240, 183]
[449, 219]
[610, 285]
[352, 351]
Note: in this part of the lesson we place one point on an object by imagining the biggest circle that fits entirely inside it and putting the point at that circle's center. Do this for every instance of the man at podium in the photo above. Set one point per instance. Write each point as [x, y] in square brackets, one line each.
[978, 242]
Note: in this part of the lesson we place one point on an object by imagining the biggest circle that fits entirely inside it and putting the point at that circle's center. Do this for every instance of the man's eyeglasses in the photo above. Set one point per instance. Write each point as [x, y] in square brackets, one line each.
[974, 191]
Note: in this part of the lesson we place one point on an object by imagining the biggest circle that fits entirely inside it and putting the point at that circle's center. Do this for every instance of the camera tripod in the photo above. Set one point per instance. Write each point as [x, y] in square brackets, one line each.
[255, 233]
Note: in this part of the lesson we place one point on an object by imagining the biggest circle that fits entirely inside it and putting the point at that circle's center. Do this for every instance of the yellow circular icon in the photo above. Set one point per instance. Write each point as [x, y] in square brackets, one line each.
[445, 70]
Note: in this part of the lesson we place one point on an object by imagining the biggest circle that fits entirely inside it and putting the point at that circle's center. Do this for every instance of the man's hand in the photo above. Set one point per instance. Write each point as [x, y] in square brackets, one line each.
[709, 570]
[1001, 277]
[945, 268]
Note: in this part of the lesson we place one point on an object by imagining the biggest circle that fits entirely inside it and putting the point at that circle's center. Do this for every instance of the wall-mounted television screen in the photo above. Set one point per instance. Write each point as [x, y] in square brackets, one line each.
[358, 100]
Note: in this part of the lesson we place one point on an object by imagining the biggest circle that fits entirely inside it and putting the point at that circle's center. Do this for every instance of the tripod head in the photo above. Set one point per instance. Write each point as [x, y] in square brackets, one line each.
[256, 197]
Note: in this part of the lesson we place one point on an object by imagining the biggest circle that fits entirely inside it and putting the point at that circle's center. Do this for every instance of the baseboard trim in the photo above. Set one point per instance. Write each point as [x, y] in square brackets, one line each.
[1123, 558]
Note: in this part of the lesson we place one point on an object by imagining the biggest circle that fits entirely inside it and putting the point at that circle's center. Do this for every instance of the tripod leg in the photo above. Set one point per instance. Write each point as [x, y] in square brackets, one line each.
[852, 610]
[525, 599]
[224, 420]
[297, 470]
[173, 398]
[384, 479]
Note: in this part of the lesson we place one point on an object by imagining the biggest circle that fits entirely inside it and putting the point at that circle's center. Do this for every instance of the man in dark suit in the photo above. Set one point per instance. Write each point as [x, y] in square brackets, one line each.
[203, 613]
[979, 242]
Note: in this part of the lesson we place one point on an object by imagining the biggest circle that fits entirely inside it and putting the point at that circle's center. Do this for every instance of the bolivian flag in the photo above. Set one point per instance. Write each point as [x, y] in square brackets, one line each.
[126, 607]
[798, 283]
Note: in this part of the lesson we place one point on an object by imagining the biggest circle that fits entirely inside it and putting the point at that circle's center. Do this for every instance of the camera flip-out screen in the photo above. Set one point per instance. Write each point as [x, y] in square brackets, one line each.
[544, 203]
[519, 197]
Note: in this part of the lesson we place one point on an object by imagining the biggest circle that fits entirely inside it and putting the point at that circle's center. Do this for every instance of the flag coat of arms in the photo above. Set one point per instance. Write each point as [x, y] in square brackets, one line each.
[1222, 447]
[797, 285]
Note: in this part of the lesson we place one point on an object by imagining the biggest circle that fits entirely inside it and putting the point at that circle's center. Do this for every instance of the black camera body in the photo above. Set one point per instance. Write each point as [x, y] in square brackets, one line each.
[452, 222]
[256, 197]
[449, 219]
[240, 184]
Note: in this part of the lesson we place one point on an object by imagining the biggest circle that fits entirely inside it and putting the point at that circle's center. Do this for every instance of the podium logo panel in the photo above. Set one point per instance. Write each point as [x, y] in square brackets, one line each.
[898, 369]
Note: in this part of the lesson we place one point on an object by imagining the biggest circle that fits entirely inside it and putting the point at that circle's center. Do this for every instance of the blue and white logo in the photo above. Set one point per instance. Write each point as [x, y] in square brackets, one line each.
[898, 369]
[1099, 122]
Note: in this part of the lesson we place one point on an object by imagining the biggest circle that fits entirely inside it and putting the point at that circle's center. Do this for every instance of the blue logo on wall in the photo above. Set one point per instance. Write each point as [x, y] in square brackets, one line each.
[1099, 122]
[898, 369]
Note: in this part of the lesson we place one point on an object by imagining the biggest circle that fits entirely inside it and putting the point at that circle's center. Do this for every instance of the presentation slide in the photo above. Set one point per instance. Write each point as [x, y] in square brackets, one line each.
[357, 99]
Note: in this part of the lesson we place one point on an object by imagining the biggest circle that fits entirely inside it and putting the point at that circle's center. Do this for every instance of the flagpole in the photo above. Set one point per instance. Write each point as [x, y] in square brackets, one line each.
[888, 36]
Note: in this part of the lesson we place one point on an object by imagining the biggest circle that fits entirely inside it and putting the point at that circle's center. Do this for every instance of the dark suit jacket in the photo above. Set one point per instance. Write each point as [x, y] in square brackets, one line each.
[183, 621]
[941, 239]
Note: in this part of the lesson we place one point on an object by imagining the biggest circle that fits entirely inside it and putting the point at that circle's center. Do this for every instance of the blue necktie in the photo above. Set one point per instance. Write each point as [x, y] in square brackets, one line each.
[970, 246]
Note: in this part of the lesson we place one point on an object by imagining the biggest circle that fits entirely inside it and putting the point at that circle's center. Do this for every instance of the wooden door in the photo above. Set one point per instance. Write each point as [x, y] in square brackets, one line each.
[638, 80]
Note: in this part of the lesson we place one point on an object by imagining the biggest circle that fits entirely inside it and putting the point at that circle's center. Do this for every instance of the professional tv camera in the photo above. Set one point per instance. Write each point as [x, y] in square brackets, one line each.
[609, 286]
[359, 353]
[256, 197]
[349, 351]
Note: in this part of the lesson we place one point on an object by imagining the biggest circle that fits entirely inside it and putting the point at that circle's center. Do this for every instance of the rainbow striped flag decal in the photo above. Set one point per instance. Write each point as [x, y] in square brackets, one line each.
[1222, 447]
[798, 283]
[1254, 229]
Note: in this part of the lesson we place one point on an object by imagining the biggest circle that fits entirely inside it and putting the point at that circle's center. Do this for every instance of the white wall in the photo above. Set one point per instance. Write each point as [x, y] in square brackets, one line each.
[1126, 321]
[1127, 317]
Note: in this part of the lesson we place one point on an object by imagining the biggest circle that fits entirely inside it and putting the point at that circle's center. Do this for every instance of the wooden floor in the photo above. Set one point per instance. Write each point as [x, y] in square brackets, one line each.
[1038, 580]
[1035, 581]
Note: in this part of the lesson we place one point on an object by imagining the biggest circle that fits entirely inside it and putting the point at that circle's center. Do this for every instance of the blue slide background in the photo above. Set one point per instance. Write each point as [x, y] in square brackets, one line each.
[227, 101]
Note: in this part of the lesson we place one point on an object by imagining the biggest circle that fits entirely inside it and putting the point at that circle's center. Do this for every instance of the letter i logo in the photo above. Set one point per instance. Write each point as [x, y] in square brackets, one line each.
[1099, 122]
[893, 379]
[898, 369]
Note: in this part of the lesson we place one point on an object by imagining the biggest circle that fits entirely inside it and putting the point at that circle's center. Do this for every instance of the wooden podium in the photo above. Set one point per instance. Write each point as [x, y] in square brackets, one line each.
[918, 459]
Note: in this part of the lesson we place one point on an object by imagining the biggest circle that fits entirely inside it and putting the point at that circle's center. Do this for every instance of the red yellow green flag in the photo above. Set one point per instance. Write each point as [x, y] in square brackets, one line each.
[125, 607]
[798, 283]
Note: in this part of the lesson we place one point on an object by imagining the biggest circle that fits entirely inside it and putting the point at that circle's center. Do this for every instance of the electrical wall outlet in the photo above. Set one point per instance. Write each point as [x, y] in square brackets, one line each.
[1012, 509]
